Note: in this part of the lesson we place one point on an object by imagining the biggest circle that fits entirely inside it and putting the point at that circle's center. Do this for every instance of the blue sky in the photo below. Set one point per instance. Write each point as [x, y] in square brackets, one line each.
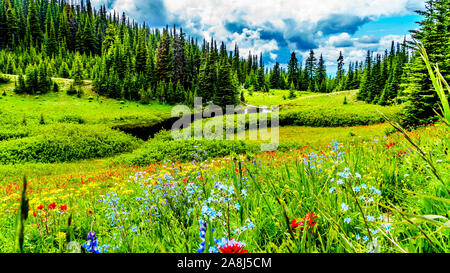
[276, 28]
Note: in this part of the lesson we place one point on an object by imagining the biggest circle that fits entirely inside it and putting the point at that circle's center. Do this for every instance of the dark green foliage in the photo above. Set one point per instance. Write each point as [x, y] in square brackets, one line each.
[75, 41]
[72, 119]
[275, 77]
[42, 120]
[434, 34]
[292, 94]
[37, 81]
[226, 92]
[71, 90]
[4, 79]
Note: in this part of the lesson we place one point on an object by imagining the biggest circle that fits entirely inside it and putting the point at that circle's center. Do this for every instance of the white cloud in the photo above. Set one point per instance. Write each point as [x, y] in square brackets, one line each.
[268, 26]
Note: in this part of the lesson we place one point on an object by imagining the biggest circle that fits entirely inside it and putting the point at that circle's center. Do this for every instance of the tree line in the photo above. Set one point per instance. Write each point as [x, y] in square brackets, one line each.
[124, 59]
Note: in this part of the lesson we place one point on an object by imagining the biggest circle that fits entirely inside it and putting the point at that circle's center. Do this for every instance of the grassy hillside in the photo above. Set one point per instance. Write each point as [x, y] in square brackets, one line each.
[89, 109]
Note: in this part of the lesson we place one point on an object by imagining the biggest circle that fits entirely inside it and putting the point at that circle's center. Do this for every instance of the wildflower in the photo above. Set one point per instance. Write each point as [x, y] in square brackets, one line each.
[347, 220]
[40, 207]
[63, 207]
[232, 246]
[52, 205]
[387, 227]
[202, 236]
[358, 175]
[309, 218]
[340, 182]
[92, 244]
[237, 206]
[344, 207]
[357, 189]
[370, 218]
[331, 189]
[357, 237]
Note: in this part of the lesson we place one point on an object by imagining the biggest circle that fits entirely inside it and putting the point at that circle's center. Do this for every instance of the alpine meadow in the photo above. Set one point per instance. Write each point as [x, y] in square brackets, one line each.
[126, 128]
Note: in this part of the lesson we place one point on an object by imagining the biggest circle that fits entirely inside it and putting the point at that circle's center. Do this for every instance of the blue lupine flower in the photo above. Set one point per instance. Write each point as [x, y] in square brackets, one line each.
[203, 227]
[91, 245]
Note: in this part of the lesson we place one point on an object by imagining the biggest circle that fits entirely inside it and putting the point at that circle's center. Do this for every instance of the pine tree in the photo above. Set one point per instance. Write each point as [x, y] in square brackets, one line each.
[434, 34]
[340, 72]
[321, 75]
[141, 54]
[293, 70]
[292, 94]
[11, 24]
[275, 77]
[163, 58]
[51, 44]
[366, 80]
[310, 68]
[226, 89]
[77, 70]
[33, 25]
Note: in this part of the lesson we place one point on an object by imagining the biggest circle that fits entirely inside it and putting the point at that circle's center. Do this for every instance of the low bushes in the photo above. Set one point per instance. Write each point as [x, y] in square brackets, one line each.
[334, 116]
[72, 119]
[184, 150]
[12, 132]
[66, 142]
[162, 149]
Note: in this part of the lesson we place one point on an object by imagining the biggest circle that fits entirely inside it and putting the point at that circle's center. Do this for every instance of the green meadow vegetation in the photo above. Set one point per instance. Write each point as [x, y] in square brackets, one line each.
[361, 166]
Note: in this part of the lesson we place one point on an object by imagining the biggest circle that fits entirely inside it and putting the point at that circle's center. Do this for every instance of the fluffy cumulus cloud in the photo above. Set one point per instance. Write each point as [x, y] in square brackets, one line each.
[273, 28]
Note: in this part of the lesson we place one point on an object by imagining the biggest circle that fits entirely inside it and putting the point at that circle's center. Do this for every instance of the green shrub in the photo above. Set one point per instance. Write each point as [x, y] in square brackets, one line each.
[161, 149]
[12, 132]
[72, 119]
[4, 79]
[335, 116]
[71, 90]
[67, 142]
[184, 150]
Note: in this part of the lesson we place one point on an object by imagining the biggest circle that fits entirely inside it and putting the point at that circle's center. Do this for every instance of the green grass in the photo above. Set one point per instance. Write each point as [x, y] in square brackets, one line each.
[163, 202]
[274, 97]
[75, 159]
[55, 106]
